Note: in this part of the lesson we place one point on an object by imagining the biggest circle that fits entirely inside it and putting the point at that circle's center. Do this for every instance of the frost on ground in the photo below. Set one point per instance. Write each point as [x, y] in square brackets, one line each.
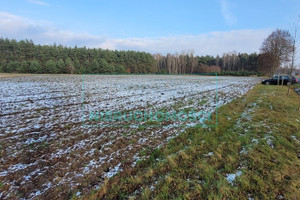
[45, 151]
[231, 177]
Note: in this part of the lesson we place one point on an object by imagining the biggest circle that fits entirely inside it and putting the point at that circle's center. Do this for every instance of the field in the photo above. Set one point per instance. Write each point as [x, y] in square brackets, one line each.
[51, 149]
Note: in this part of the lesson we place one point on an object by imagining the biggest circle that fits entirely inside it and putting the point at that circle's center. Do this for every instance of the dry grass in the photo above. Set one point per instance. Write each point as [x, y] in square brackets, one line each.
[9, 75]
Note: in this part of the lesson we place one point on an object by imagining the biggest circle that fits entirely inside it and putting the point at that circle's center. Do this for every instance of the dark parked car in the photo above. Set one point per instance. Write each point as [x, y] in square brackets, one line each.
[295, 80]
[286, 80]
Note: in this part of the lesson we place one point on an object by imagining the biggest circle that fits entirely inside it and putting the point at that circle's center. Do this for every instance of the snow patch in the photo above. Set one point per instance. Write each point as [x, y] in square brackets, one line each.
[231, 177]
[209, 154]
[113, 171]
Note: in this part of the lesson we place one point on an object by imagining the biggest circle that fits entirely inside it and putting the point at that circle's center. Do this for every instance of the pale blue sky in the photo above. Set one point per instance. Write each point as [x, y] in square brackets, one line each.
[205, 27]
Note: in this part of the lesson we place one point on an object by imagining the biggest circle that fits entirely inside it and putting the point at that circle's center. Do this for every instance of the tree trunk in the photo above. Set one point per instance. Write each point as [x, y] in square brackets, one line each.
[299, 103]
[289, 89]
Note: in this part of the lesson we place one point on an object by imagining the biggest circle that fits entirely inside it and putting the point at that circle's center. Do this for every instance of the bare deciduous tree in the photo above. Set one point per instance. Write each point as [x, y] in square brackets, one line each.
[265, 64]
[294, 30]
[278, 45]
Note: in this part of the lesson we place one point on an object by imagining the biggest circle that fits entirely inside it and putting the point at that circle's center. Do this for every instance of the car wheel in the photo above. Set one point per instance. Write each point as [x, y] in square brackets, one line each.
[267, 83]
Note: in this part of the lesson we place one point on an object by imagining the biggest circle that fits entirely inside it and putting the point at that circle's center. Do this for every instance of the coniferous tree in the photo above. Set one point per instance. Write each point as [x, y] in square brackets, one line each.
[51, 67]
[61, 67]
[12, 66]
[35, 67]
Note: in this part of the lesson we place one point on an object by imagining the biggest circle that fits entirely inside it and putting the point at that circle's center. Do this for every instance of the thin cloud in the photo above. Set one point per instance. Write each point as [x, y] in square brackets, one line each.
[42, 3]
[213, 43]
[227, 14]
[12, 26]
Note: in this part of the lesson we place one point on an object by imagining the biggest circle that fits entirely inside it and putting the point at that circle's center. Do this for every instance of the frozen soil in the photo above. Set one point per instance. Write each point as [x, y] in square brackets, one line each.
[47, 152]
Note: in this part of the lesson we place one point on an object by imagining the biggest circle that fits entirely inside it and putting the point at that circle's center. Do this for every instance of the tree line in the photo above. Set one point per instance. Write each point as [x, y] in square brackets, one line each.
[277, 54]
[26, 57]
[277, 51]
[232, 63]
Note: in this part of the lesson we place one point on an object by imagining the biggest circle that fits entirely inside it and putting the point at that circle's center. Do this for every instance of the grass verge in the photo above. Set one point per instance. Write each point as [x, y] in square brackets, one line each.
[253, 153]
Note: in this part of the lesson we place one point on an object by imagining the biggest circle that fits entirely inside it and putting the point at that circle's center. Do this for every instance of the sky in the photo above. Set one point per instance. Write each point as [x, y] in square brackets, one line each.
[204, 27]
